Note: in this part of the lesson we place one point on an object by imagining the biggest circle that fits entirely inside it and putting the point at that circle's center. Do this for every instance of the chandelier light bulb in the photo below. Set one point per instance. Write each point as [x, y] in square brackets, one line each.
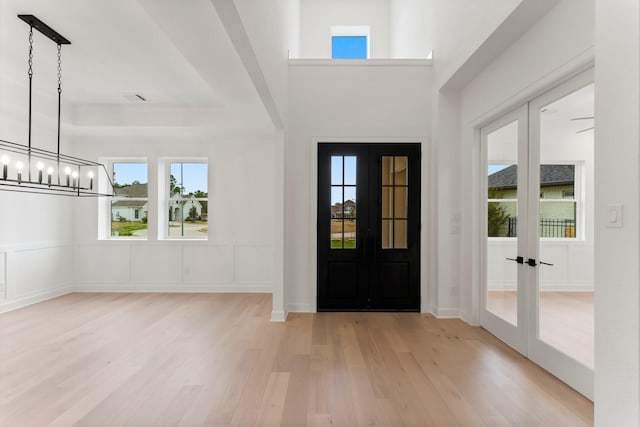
[90, 174]
[5, 159]
[19, 165]
[74, 174]
[49, 172]
[67, 170]
[40, 166]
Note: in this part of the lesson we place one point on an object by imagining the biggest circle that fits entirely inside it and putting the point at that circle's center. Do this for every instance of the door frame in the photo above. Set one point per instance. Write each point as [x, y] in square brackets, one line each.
[578, 376]
[428, 272]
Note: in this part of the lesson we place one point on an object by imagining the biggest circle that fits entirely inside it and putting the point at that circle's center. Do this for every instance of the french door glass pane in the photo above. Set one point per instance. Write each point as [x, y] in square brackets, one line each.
[502, 219]
[565, 283]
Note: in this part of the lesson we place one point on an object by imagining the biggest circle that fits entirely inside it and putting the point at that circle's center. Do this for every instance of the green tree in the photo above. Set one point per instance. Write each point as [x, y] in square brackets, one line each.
[193, 213]
[497, 216]
[174, 188]
[202, 195]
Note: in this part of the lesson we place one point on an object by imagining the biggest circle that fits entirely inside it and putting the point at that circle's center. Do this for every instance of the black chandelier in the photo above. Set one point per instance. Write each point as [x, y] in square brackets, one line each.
[28, 169]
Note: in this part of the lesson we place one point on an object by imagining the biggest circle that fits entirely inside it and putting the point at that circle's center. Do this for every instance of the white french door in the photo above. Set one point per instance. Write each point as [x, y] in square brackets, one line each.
[538, 227]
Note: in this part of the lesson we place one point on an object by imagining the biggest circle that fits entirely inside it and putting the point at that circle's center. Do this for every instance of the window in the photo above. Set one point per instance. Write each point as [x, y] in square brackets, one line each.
[559, 216]
[558, 209]
[349, 47]
[187, 210]
[349, 42]
[129, 206]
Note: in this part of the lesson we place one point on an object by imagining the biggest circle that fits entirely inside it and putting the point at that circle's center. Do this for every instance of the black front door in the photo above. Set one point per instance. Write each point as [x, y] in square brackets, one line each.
[368, 227]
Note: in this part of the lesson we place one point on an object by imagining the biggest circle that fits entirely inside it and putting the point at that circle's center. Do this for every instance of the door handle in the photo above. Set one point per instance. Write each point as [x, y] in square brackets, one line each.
[519, 260]
[532, 263]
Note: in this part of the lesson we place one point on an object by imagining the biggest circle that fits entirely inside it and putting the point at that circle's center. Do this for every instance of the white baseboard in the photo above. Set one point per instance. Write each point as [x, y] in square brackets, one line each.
[447, 313]
[279, 316]
[26, 300]
[182, 288]
[550, 287]
[301, 308]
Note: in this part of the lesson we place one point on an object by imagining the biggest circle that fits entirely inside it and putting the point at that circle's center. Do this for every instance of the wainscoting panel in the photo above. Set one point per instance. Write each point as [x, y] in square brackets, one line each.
[207, 264]
[159, 263]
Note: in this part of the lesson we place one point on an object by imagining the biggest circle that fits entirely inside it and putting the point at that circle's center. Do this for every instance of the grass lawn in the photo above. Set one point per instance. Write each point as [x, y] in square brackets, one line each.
[126, 228]
[348, 244]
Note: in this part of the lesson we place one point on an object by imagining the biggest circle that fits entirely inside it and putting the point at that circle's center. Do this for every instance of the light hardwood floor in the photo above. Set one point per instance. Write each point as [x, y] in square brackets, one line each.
[566, 320]
[195, 359]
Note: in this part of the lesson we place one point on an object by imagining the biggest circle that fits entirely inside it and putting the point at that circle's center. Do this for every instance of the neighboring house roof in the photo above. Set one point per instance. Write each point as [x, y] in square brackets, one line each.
[549, 175]
[128, 204]
[132, 190]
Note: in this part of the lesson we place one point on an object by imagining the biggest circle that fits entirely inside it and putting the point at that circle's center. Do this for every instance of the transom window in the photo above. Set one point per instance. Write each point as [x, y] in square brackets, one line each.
[350, 42]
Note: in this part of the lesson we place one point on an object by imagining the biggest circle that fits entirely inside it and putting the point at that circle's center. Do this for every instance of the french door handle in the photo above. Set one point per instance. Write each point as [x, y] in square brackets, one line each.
[519, 260]
[532, 263]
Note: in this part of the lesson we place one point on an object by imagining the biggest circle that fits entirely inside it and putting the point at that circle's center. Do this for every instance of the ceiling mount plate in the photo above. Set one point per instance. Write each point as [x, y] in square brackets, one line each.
[44, 29]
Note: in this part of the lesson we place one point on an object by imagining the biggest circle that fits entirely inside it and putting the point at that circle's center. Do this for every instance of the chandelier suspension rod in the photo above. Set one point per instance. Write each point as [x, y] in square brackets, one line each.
[30, 72]
[59, 103]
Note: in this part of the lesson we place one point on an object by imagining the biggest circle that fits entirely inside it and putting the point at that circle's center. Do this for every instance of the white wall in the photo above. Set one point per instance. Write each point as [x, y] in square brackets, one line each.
[317, 17]
[238, 256]
[474, 22]
[545, 55]
[617, 373]
[349, 103]
[412, 28]
[452, 28]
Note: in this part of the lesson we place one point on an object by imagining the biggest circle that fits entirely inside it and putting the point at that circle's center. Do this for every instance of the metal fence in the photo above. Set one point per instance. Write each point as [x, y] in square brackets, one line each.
[549, 227]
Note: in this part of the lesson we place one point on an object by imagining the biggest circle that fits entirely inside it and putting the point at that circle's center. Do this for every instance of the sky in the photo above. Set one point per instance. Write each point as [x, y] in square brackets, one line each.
[349, 178]
[349, 47]
[193, 177]
[496, 168]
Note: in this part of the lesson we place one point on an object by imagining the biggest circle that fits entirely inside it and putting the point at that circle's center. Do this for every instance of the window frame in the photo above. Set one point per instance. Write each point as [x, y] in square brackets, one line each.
[164, 196]
[350, 31]
[105, 209]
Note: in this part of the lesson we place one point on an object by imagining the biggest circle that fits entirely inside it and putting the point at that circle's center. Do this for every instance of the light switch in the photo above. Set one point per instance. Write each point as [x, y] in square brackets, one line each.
[614, 215]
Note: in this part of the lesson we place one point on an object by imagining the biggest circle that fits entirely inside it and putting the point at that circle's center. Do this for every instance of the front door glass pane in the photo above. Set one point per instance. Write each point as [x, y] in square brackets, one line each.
[502, 220]
[343, 202]
[565, 281]
[394, 202]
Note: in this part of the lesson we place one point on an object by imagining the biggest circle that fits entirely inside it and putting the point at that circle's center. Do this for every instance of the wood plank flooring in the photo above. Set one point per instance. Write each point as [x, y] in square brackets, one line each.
[566, 320]
[201, 359]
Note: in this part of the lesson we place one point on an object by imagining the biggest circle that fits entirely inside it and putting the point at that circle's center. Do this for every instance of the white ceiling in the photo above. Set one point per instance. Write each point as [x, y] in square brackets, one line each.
[176, 54]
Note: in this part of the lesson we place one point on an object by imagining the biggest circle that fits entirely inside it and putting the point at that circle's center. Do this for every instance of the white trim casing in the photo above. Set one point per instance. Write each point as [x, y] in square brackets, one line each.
[427, 197]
